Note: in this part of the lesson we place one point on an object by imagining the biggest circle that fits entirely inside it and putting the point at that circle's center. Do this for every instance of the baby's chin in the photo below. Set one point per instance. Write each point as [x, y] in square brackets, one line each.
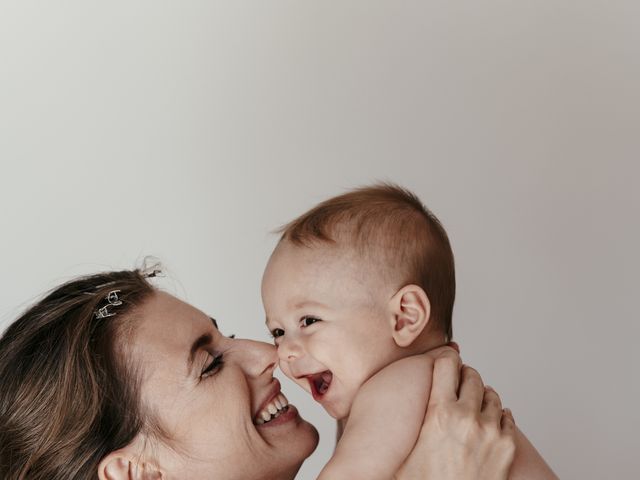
[338, 412]
[332, 396]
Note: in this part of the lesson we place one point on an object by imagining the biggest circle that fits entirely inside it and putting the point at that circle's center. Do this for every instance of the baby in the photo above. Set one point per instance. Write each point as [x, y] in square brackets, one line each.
[356, 288]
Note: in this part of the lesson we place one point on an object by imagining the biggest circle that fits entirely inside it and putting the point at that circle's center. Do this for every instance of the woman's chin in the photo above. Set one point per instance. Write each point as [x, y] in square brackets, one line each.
[295, 439]
[289, 453]
[305, 446]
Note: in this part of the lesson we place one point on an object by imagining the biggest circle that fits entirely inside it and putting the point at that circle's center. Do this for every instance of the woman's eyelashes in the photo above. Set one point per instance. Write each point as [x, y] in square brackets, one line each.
[214, 366]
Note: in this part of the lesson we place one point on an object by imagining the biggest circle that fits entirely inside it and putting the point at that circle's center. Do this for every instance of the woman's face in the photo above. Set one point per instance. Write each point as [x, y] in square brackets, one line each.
[207, 392]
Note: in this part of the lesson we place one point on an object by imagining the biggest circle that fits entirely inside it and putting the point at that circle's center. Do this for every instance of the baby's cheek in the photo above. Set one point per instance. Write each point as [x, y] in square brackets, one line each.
[303, 382]
[284, 366]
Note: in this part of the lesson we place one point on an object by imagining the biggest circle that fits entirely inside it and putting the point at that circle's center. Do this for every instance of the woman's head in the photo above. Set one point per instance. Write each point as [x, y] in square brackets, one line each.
[64, 387]
[137, 388]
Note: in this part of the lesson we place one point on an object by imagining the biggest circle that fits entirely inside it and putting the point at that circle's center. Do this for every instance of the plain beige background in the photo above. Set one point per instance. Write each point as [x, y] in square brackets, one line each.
[189, 130]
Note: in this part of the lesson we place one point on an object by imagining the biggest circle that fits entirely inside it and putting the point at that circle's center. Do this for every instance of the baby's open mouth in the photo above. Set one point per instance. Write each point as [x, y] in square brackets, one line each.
[320, 383]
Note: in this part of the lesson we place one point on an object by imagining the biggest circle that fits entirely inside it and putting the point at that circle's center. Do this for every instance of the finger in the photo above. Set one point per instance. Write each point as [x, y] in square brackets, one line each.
[454, 345]
[471, 388]
[446, 377]
[446, 349]
[491, 406]
[508, 433]
[507, 422]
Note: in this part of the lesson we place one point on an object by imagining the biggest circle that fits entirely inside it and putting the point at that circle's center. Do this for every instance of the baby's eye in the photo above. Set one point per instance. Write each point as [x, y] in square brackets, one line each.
[308, 320]
[277, 332]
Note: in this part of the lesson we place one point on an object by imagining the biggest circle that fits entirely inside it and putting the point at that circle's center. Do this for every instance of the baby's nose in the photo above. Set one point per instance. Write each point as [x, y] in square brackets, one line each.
[295, 368]
[289, 349]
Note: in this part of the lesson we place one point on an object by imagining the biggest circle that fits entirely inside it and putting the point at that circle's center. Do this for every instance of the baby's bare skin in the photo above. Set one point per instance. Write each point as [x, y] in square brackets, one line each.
[384, 422]
[356, 291]
[386, 419]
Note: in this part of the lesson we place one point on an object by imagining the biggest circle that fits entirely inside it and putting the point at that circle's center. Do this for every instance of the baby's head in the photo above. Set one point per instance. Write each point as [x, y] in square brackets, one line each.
[357, 282]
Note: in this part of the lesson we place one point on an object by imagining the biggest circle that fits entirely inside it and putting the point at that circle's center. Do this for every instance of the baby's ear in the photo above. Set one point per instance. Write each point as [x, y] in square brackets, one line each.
[122, 465]
[410, 311]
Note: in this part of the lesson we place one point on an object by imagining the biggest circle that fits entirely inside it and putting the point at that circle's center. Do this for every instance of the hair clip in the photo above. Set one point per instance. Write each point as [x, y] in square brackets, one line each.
[153, 274]
[113, 300]
[151, 267]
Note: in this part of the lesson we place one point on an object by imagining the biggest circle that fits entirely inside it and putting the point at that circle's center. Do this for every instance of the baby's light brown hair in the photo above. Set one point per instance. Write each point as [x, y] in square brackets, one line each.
[389, 225]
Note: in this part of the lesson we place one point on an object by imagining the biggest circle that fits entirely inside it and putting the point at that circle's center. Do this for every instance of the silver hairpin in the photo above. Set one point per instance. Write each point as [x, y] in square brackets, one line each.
[151, 267]
[113, 301]
[154, 273]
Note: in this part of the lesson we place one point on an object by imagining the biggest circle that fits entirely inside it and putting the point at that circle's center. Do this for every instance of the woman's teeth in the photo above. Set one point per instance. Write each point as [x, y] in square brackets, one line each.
[272, 410]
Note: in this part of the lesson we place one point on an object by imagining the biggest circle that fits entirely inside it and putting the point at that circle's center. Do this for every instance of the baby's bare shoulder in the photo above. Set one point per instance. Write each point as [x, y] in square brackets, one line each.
[407, 374]
[387, 413]
[420, 364]
[409, 365]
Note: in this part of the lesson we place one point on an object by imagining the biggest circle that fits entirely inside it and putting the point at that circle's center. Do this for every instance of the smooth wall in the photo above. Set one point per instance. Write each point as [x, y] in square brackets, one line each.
[190, 130]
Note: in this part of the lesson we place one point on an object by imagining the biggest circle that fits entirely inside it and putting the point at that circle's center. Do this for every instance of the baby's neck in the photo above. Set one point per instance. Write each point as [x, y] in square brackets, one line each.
[421, 345]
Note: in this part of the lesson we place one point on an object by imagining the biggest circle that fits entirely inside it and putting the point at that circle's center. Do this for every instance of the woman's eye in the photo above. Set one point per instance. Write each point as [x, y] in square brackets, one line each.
[306, 321]
[213, 367]
[277, 332]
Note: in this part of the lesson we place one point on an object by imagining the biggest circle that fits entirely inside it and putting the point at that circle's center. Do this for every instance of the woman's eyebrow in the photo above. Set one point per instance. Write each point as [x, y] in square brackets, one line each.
[200, 342]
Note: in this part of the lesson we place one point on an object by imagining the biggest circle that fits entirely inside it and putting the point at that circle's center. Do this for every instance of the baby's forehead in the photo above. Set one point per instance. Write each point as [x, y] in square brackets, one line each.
[337, 265]
[324, 253]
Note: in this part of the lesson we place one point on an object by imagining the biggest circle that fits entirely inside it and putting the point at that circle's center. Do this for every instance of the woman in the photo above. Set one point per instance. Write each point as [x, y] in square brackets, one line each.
[108, 377]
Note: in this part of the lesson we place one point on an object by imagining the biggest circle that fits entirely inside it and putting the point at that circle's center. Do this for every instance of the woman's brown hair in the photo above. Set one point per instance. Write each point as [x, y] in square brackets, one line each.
[68, 394]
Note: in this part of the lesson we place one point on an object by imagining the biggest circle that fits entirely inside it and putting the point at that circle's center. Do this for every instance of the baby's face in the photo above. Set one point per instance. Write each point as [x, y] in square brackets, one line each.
[328, 314]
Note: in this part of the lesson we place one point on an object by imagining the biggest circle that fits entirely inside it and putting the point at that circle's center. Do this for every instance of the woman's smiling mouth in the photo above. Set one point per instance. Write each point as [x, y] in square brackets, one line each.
[272, 410]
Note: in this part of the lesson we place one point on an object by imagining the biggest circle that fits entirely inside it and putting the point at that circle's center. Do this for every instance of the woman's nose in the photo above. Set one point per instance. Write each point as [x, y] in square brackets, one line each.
[260, 358]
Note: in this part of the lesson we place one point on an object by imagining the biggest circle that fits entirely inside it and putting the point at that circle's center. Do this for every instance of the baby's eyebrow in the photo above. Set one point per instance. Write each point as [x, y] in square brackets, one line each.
[308, 303]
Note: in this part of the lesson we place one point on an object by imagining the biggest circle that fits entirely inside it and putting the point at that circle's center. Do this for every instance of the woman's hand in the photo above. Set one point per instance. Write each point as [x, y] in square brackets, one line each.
[465, 434]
